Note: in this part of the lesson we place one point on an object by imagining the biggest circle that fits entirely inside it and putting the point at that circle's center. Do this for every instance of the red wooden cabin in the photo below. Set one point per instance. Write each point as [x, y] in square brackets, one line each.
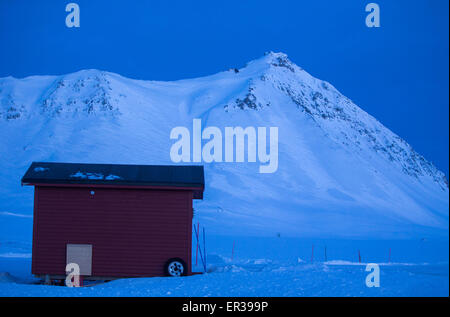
[113, 220]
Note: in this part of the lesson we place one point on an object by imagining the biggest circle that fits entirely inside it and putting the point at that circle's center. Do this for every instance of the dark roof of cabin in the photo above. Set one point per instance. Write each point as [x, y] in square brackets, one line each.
[115, 174]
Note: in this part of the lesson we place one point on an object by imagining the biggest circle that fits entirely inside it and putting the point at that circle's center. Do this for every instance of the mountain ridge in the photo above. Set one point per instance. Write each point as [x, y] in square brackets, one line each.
[316, 122]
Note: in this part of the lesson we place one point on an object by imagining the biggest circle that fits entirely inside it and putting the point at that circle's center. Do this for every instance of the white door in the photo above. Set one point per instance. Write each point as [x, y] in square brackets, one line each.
[80, 254]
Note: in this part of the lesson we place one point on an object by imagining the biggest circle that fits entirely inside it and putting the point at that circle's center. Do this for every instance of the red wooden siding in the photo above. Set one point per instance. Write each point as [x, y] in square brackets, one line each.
[133, 232]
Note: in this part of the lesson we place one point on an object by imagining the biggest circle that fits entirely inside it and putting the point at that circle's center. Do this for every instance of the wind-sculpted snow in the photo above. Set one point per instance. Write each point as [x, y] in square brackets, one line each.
[340, 171]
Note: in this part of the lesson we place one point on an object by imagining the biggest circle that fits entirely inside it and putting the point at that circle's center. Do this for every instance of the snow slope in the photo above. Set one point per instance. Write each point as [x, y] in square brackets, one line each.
[341, 173]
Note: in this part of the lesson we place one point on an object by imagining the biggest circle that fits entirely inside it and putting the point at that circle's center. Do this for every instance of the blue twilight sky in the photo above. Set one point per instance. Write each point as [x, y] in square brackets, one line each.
[399, 72]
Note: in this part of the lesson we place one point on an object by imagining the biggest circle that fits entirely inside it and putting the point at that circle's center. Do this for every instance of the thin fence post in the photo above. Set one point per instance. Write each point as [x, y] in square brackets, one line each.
[200, 250]
[204, 247]
[196, 251]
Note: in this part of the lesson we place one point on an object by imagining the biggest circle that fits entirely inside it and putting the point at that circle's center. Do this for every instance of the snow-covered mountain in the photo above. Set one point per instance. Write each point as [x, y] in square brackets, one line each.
[341, 173]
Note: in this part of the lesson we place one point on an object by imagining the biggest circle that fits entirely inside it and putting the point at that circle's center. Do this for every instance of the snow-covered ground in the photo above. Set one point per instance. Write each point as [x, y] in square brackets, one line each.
[269, 267]
[262, 266]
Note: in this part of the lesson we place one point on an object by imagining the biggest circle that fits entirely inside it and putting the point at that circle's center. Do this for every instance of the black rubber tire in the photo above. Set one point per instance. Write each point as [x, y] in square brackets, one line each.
[174, 266]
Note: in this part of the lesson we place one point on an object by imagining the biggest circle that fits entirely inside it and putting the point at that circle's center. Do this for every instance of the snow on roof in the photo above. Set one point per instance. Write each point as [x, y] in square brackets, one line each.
[40, 169]
[82, 175]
